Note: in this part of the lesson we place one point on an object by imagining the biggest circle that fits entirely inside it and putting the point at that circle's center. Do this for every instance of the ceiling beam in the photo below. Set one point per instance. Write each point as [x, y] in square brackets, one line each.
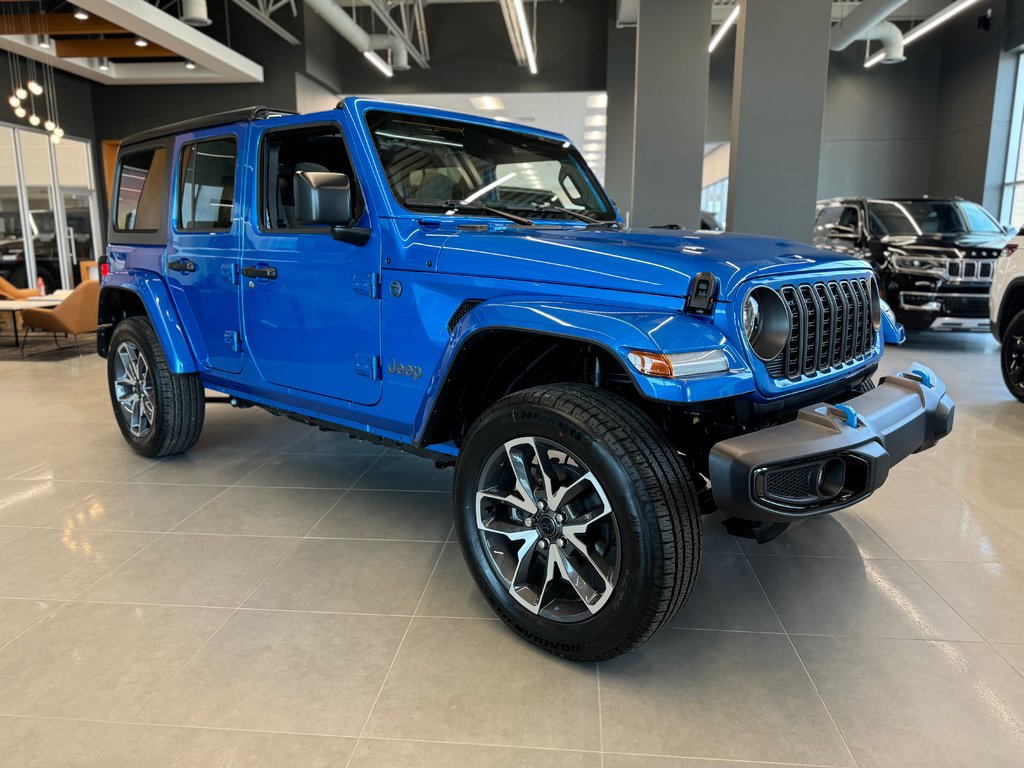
[56, 24]
[119, 48]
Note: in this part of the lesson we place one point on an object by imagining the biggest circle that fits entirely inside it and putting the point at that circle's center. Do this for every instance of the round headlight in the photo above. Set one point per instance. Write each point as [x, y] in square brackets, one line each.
[876, 306]
[751, 318]
[765, 322]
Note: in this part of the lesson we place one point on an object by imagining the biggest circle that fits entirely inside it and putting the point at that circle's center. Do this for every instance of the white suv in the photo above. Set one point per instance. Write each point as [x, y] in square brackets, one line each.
[1006, 311]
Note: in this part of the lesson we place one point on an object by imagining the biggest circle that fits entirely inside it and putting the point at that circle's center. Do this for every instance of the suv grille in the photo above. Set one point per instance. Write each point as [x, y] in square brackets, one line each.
[830, 325]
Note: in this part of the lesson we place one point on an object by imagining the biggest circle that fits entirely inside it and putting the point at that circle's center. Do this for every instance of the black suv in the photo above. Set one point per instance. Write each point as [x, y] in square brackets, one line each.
[933, 257]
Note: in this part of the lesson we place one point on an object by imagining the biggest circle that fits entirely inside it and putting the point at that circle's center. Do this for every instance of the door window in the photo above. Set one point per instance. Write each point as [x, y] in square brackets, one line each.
[850, 218]
[139, 182]
[827, 218]
[206, 185]
[284, 153]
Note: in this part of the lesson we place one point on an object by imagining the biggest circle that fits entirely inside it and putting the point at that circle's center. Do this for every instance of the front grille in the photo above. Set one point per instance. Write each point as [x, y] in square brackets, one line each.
[975, 269]
[830, 325]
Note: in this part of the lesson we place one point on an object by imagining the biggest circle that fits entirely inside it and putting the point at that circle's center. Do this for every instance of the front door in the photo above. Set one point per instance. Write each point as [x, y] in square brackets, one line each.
[202, 256]
[310, 304]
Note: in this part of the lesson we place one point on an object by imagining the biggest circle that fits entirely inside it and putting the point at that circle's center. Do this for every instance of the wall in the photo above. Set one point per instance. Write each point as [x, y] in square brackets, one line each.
[879, 123]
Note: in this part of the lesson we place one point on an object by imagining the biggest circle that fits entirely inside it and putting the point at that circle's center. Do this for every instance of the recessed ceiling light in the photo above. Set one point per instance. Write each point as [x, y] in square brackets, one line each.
[189, 64]
[103, 64]
[141, 42]
[594, 136]
[487, 103]
[43, 41]
[81, 15]
[597, 101]
[597, 121]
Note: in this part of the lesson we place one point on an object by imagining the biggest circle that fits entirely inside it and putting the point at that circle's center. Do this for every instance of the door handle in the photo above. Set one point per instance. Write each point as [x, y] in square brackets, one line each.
[182, 265]
[267, 273]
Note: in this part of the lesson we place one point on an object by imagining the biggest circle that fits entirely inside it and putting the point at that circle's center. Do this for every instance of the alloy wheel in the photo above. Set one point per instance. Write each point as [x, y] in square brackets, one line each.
[1013, 356]
[548, 529]
[133, 388]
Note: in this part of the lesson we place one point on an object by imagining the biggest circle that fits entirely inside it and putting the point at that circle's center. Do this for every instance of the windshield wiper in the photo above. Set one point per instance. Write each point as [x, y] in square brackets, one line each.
[459, 205]
[568, 212]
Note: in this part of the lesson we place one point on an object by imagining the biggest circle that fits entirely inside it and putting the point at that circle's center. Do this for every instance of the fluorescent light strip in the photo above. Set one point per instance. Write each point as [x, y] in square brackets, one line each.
[524, 31]
[925, 27]
[379, 63]
[487, 188]
[422, 139]
[729, 21]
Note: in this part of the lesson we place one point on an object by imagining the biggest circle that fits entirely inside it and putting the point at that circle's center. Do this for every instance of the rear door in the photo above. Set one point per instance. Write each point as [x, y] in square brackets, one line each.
[202, 261]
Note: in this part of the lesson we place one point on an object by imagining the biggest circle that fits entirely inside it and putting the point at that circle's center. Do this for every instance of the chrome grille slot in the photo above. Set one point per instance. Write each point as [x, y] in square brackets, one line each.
[830, 326]
[970, 269]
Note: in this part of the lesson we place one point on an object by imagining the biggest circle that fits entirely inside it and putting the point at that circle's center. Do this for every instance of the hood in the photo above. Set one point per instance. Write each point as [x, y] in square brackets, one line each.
[655, 261]
[961, 245]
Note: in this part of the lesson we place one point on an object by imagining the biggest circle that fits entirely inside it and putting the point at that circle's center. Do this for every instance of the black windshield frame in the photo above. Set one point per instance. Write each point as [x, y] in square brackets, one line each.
[410, 143]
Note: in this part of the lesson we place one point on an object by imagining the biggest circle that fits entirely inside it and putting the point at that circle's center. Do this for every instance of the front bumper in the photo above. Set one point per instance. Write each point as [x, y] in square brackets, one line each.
[830, 456]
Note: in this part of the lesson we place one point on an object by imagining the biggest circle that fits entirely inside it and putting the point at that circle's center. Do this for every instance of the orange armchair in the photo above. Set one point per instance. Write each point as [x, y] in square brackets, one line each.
[9, 291]
[78, 313]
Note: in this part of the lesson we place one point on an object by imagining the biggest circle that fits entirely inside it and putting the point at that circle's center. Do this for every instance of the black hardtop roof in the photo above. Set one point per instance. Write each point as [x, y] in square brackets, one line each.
[920, 199]
[243, 115]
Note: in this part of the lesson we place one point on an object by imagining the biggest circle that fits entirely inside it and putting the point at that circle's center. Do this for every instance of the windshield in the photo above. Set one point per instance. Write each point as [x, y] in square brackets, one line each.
[929, 217]
[430, 162]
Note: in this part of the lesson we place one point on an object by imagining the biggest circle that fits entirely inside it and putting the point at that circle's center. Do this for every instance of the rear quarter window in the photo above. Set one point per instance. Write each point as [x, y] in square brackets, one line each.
[140, 181]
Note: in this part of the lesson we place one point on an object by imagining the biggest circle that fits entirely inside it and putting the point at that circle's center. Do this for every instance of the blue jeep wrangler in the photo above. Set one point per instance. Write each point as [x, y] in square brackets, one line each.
[463, 289]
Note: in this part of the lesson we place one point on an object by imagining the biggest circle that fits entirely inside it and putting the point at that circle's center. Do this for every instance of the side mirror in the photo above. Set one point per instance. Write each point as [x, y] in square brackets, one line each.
[842, 232]
[323, 198]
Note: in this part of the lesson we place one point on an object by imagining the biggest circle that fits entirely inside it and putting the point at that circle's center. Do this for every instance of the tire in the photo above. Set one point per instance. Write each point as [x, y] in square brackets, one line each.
[638, 517]
[168, 417]
[1012, 356]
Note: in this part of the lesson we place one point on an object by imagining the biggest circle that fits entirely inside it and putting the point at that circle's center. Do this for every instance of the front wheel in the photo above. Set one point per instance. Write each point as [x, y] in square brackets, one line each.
[160, 413]
[1013, 356]
[577, 519]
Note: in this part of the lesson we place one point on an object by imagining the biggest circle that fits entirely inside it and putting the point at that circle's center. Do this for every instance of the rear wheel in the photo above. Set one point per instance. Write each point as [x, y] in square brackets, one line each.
[1013, 356]
[577, 519]
[160, 413]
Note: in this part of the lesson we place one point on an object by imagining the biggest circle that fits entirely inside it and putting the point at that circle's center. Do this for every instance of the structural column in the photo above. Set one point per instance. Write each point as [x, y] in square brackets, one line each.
[671, 111]
[778, 107]
[618, 167]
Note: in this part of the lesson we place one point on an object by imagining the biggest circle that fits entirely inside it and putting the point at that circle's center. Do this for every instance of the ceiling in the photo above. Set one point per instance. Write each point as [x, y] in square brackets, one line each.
[567, 113]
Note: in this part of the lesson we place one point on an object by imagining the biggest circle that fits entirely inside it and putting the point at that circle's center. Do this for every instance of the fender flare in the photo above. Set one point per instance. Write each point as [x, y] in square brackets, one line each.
[615, 329]
[150, 290]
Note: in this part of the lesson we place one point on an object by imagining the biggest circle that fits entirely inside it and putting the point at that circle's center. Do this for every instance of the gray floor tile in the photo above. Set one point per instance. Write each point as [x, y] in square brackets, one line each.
[1013, 653]
[842, 534]
[284, 671]
[193, 569]
[31, 502]
[722, 695]
[317, 441]
[11, 532]
[727, 596]
[262, 511]
[203, 468]
[381, 753]
[403, 472]
[648, 761]
[309, 470]
[420, 515]
[714, 536]
[160, 745]
[988, 595]
[917, 703]
[18, 615]
[441, 687]
[349, 576]
[100, 662]
[248, 435]
[57, 564]
[452, 591]
[135, 507]
[30, 742]
[111, 465]
[843, 596]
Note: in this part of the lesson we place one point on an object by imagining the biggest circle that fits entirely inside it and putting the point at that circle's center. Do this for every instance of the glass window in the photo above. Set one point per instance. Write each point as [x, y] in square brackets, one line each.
[140, 179]
[206, 187]
[432, 162]
[849, 218]
[929, 217]
[828, 217]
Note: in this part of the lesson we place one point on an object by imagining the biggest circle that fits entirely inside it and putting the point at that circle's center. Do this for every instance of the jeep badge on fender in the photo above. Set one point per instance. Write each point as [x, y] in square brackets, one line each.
[599, 389]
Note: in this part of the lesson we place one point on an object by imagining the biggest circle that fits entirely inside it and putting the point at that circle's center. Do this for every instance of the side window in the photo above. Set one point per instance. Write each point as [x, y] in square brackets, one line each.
[139, 186]
[285, 153]
[206, 185]
[850, 218]
[827, 218]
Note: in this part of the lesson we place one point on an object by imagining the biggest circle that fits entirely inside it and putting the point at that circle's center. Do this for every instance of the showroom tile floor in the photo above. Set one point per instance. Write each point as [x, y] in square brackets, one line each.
[283, 597]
